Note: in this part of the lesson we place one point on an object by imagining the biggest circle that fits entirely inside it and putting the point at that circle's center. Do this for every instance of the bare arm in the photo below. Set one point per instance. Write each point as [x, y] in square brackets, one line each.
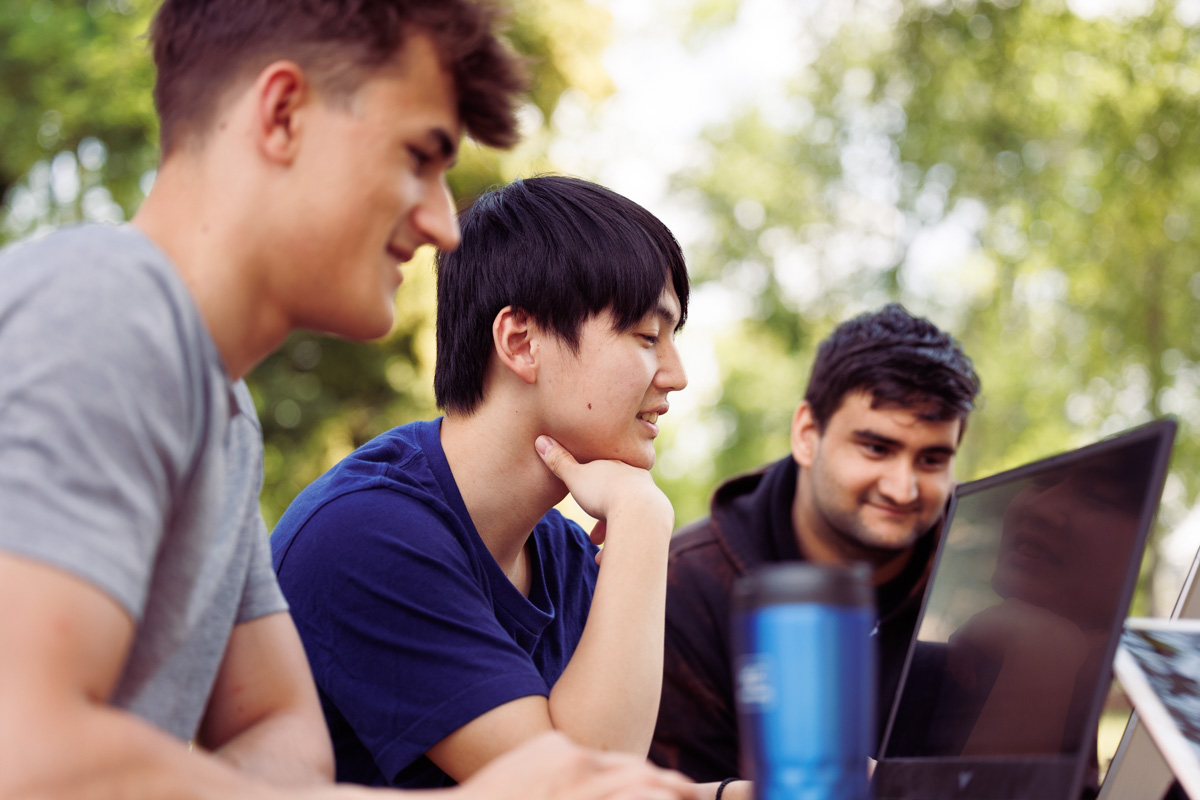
[64, 643]
[549, 767]
[607, 697]
[264, 716]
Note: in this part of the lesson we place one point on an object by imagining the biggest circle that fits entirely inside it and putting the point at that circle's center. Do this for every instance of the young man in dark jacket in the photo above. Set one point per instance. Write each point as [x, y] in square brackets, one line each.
[867, 480]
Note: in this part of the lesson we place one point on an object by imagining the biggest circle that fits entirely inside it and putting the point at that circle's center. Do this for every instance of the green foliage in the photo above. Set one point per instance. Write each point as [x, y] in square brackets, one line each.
[1025, 177]
[76, 80]
[80, 139]
[1060, 149]
[1074, 135]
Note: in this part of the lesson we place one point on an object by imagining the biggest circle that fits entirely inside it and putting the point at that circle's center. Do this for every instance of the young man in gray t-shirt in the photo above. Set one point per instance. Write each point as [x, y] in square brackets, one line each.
[304, 152]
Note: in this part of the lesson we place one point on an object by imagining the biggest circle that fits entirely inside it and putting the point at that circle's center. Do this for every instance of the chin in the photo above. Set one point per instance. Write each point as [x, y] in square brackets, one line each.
[888, 540]
[348, 320]
[1010, 586]
[639, 458]
[635, 455]
[366, 327]
[632, 459]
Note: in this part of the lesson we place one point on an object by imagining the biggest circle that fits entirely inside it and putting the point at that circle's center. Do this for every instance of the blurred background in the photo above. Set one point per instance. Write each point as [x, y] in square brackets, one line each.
[1026, 173]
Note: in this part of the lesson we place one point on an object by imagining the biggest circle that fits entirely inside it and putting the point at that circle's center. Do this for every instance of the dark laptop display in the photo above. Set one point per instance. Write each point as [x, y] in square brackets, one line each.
[1013, 653]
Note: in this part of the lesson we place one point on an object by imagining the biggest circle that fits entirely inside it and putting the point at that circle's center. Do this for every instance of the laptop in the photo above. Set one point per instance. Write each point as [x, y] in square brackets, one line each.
[1012, 656]
[1138, 770]
[1158, 664]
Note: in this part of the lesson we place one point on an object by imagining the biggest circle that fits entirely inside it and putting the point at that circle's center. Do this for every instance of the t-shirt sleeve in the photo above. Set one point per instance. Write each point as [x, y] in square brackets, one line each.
[93, 425]
[261, 595]
[398, 623]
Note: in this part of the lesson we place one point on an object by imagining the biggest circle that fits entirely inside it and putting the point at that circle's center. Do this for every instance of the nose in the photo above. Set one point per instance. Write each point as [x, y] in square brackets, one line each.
[435, 219]
[671, 376]
[899, 482]
[1052, 506]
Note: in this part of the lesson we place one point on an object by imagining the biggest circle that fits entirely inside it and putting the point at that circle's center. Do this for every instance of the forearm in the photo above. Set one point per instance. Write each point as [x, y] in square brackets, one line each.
[100, 753]
[59, 739]
[608, 696]
[264, 716]
[282, 750]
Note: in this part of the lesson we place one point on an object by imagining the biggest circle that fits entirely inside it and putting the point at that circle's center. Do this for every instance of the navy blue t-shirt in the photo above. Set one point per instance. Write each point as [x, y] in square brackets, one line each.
[411, 627]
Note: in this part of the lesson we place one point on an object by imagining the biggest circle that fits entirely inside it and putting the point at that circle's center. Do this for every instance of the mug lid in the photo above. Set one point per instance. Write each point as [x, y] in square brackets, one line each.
[801, 582]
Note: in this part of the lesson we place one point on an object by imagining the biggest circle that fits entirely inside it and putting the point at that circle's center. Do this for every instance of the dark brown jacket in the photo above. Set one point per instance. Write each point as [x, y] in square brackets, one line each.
[750, 524]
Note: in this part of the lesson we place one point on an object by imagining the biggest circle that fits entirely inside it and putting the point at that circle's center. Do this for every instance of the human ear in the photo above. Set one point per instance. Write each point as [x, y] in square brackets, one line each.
[281, 94]
[804, 435]
[514, 339]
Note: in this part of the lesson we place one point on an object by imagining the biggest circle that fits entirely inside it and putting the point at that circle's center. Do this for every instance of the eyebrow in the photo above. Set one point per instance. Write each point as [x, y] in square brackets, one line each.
[667, 316]
[445, 144]
[887, 441]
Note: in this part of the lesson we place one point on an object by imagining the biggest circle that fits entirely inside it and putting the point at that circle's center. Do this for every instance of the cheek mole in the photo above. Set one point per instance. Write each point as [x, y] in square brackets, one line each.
[589, 406]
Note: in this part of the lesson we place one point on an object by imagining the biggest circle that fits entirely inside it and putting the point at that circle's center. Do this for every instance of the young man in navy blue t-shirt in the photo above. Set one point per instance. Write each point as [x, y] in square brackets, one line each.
[448, 611]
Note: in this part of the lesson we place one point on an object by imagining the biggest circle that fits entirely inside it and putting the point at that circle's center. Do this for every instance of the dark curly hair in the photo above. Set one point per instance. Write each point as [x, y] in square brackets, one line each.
[900, 360]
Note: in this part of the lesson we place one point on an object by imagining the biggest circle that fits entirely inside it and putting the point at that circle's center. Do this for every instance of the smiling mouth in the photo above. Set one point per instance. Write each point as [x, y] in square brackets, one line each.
[1034, 551]
[893, 510]
[649, 416]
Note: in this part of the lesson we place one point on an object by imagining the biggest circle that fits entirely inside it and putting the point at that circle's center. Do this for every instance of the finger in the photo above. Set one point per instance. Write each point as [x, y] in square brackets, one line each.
[626, 780]
[555, 456]
[651, 793]
[676, 781]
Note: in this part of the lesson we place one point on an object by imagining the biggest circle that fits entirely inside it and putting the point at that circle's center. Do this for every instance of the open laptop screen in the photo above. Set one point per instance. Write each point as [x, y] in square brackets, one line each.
[1013, 652]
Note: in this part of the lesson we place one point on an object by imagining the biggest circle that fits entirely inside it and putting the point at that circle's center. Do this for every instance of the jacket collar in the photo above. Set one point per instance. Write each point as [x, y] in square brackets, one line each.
[752, 524]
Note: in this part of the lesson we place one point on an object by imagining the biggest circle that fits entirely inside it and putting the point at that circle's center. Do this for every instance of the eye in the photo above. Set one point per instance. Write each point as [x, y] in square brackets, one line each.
[934, 462]
[1047, 480]
[421, 159]
[874, 449]
[649, 338]
[1109, 496]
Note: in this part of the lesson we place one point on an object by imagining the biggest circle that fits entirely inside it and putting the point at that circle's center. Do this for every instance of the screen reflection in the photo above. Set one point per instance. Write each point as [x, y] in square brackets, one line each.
[1025, 598]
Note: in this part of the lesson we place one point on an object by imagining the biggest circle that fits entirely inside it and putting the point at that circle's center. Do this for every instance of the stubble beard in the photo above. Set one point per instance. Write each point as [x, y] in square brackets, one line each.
[855, 539]
[844, 529]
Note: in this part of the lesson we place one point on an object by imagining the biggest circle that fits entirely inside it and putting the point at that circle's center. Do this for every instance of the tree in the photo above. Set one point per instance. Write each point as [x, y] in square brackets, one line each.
[80, 143]
[1021, 174]
[76, 115]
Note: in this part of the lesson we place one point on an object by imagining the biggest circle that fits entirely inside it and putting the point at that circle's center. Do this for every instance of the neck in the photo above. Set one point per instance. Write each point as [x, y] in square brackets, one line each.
[821, 544]
[204, 228]
[504, 484]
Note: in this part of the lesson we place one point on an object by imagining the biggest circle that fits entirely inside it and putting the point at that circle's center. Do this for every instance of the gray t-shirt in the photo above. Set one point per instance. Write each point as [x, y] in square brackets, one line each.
[130, 459]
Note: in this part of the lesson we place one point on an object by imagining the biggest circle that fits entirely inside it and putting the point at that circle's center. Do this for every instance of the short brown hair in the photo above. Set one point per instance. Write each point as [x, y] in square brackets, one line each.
[201, 47]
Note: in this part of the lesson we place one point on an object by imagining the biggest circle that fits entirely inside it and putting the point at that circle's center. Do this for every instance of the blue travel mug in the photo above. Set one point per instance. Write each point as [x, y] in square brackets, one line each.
[805, 662]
